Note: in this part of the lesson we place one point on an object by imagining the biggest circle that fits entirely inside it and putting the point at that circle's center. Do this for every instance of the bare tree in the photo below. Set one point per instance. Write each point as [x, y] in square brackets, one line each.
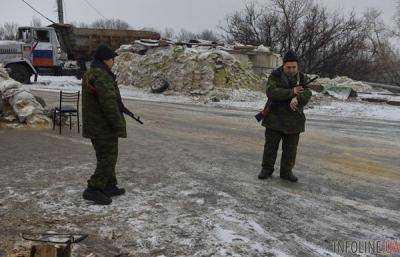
[243, 26]
[168, 33]
[328, 43]
[185, 35]
[396, 19]
[36, 22]
[110, 24]
[292, 13]
[209, 35]
[80, 24]
[384, 60]
[8, 31]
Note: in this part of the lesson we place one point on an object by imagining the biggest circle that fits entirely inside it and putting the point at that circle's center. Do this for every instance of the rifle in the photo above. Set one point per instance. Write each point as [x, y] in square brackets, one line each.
[267, 109]
[132, 115]
[1, 106]
[93, 90]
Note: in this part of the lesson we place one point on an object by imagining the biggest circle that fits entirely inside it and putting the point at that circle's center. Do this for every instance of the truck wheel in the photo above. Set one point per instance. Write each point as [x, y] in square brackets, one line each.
[57, 71]
[79, 75]
[20, 73]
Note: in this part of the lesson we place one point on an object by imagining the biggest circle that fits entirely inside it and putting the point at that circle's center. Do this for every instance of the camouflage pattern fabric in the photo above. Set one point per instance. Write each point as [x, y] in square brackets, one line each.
[103, 122]
[289, 150]
[280, 90]
[107, 156]
[102, 116]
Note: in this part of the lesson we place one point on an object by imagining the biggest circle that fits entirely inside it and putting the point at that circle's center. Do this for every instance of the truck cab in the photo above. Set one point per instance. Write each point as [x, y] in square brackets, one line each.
[46, 54]
[15, 56]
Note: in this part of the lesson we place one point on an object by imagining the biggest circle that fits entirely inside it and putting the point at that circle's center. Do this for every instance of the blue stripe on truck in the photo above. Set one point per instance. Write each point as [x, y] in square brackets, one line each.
[43, 54]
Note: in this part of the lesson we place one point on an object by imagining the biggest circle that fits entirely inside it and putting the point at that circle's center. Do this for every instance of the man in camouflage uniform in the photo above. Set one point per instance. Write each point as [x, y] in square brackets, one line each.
[103, 123]
[286, 119]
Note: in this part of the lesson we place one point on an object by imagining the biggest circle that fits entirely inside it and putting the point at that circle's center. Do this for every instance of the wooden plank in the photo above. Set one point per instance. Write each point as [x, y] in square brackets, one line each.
[50, 250]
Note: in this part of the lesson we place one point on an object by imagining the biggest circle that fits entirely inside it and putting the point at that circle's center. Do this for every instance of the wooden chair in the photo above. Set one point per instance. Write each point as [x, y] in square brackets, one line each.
[70, 109]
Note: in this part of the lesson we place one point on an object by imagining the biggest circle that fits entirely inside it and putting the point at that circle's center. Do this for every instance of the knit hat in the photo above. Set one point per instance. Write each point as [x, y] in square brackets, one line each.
[103, 52]
[290, 56]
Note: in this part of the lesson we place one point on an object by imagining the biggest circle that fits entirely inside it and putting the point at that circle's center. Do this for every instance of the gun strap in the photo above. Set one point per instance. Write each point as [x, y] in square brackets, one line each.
[92, 89]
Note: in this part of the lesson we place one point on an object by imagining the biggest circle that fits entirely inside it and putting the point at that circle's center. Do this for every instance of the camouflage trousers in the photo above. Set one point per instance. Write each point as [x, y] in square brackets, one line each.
[107, 155]
[289, 150]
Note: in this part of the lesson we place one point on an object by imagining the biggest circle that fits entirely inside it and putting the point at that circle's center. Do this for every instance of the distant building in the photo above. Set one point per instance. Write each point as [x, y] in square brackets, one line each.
[261, 57]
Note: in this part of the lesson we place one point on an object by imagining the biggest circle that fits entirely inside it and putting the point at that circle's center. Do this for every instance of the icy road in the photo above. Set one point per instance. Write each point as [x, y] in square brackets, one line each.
[192, 188]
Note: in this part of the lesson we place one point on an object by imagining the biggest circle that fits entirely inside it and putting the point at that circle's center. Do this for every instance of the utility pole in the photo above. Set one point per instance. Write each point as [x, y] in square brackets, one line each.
[60, 11]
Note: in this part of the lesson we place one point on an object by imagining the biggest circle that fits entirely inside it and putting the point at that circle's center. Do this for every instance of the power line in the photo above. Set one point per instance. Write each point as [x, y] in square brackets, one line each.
[95, 9]
[33, 8]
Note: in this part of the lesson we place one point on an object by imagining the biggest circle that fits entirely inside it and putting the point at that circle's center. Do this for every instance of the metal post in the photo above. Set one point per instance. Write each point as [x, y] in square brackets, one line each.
[60, 11]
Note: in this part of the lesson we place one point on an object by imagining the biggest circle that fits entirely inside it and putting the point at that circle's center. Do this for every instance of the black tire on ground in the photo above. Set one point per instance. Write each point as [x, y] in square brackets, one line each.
[20, 73]
[159, 85]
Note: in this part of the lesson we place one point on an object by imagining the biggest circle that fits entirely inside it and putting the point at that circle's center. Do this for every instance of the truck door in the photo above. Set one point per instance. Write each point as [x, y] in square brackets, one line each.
[42, 49]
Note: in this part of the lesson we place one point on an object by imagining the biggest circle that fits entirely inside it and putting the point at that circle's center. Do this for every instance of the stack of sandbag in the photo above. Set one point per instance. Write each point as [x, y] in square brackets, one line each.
[19, 105]
[191, 71]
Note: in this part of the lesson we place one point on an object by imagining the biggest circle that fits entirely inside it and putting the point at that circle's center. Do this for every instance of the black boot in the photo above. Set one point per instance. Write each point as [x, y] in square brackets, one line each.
[113, 191]
[264, 174]
[96, 196]
[289, 176]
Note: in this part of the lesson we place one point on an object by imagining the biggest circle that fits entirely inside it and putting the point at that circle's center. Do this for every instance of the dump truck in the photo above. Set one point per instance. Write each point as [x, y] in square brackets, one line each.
[62, 49]
[15, 56]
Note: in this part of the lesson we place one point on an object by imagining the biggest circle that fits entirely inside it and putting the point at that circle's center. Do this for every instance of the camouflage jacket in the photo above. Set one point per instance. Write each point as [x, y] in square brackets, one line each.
[102, 110]
[280, 90]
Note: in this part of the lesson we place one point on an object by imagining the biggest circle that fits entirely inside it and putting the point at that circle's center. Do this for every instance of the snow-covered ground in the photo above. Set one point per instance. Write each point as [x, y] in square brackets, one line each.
[191, 182]
[55, 83]
[71, 84]
[385, 95]
[192, 187]
[357, 110]
[244, 99]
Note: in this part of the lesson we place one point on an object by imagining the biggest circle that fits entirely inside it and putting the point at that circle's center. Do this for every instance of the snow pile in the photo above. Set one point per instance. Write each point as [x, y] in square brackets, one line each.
[20, 105]
[357, 86]
[238, 98]
[341, 87]
[356, 109]
[190, 71]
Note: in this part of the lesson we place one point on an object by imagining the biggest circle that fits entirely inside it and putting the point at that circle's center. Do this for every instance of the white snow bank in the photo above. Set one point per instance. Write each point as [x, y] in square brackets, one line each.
[56, 83]
[357, 110]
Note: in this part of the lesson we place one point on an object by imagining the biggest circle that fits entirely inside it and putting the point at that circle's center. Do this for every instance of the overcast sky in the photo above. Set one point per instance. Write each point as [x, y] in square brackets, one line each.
[194, 15]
